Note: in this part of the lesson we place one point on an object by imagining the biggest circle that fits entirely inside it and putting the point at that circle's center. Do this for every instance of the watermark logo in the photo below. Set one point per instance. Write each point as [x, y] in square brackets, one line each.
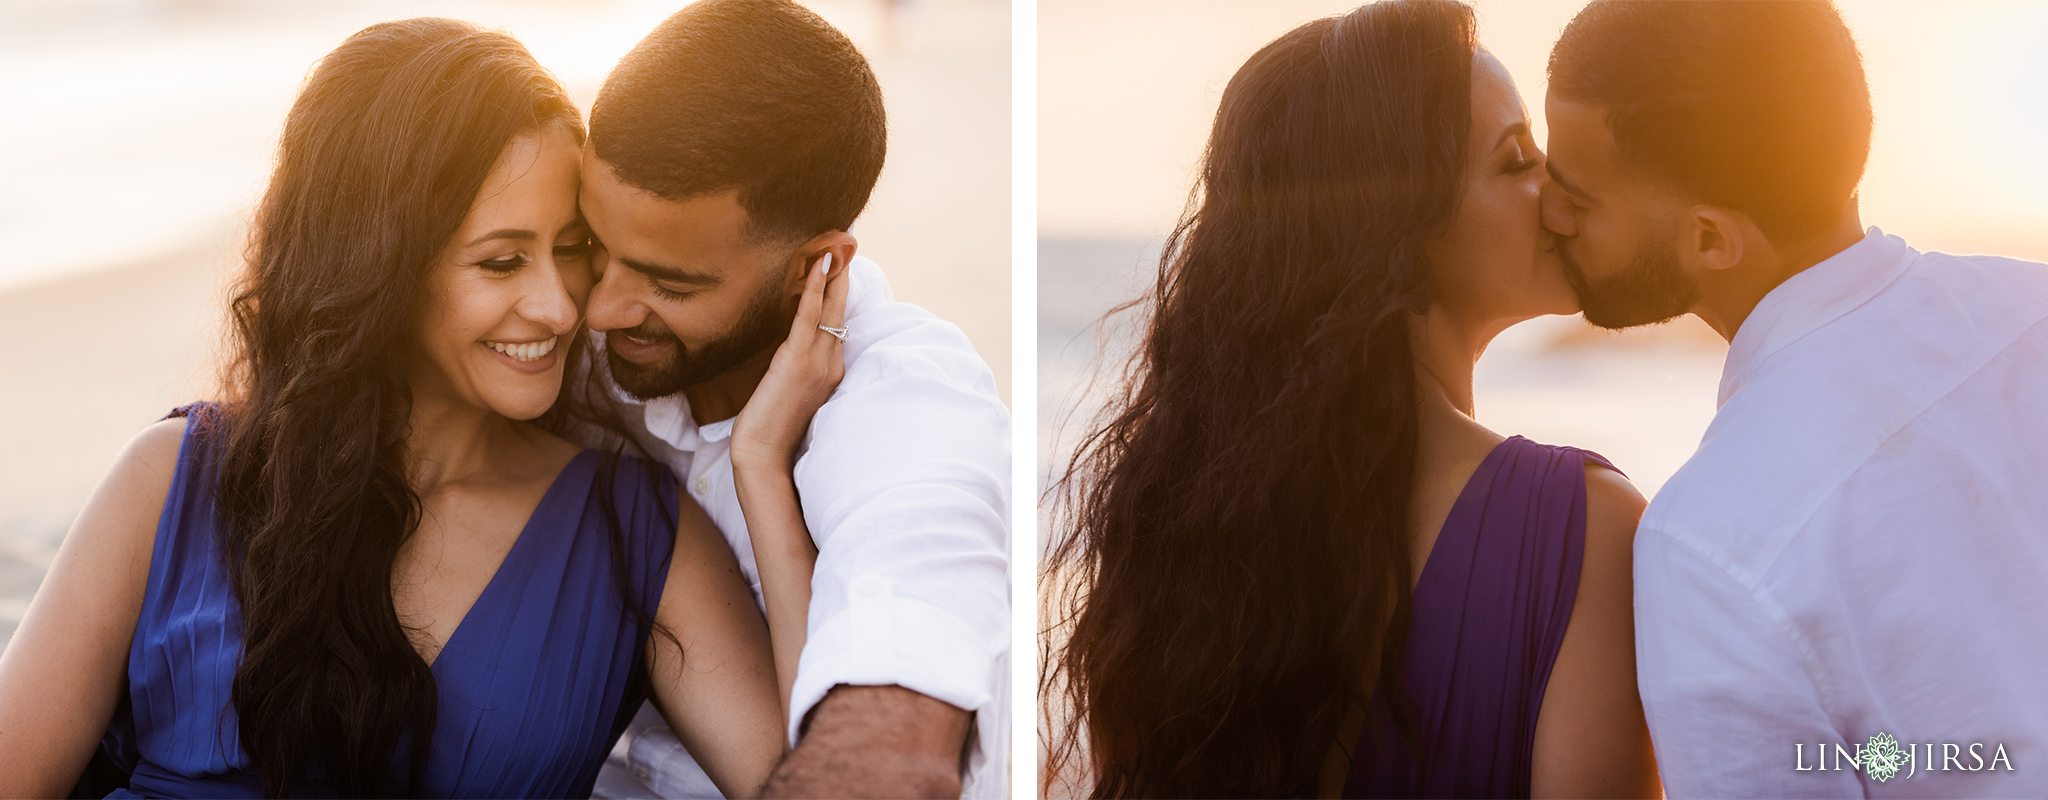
[1883, 757]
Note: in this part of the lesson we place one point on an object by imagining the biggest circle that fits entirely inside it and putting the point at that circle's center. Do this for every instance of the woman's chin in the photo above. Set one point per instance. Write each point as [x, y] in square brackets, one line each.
[1546, 301]
[1566, 308]
[523, 404]
[1555, 296]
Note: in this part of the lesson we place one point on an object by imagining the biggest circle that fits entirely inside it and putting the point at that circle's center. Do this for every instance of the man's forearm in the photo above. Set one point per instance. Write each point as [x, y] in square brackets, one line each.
[875, 741]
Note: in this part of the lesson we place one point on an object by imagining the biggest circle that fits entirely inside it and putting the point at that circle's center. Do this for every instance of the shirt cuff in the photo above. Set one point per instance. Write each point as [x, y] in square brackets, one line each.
[881, 639]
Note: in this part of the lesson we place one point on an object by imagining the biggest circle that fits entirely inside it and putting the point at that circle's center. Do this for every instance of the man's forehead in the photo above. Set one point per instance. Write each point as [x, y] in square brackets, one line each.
[1581, 147]
[713, 220]
[701, 241]
[1576, 124]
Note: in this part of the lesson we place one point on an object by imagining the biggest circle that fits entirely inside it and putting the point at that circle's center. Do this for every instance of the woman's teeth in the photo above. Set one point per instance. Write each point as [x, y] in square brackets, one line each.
[529, 351]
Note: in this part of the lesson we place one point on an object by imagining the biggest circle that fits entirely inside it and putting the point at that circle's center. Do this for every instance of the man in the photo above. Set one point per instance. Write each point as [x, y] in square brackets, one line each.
[730, 150]
[1840, 593]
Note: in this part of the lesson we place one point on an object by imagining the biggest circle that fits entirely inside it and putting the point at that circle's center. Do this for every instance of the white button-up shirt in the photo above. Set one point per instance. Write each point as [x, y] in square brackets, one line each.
[905, 485]
[1860, 545]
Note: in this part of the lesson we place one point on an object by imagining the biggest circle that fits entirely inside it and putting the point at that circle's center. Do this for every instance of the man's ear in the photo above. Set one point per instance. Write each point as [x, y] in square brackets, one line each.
[838, 243]
[1713, 238]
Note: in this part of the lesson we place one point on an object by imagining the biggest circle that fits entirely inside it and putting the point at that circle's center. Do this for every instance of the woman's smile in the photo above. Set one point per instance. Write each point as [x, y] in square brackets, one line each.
[530, 356]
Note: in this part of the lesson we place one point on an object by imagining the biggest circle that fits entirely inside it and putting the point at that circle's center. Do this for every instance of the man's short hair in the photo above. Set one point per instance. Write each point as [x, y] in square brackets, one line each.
[762, 96]
[1759, 106]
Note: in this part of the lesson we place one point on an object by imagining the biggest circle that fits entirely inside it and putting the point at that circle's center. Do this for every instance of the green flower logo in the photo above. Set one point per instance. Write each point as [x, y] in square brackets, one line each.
[1882, 757]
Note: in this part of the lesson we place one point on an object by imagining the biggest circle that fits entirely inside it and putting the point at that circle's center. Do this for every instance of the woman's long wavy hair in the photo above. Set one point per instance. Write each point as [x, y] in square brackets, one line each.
[382, 155]
[1232, 576]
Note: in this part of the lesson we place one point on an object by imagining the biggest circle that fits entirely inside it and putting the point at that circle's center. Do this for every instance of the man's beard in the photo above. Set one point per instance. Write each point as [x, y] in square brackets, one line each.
[762, 326]
[1651, 289]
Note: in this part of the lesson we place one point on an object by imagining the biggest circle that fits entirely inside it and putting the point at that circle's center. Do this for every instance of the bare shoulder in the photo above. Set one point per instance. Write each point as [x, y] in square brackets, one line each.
[61, 674]
[1613, 507]
[122, 513]
[163, 438]
[150, 461]
[114, 534]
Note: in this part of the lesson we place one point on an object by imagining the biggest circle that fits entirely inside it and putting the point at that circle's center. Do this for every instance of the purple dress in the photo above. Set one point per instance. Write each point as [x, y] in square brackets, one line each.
[1488, 616]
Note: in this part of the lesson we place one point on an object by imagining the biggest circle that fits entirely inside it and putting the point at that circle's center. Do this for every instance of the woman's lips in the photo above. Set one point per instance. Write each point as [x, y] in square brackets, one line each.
[528, 357]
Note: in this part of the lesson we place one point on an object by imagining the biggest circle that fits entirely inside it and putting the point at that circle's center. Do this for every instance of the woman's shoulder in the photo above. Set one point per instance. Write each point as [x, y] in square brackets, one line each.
[1613, 504]
[153, 456]
[123, 513]
[1613, 509]
[159, 442]
[147, 466]
[1594, 462]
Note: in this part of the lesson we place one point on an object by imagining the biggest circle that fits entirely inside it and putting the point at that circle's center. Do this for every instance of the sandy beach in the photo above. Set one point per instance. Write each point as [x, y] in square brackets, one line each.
[105, 354]
[121, 323]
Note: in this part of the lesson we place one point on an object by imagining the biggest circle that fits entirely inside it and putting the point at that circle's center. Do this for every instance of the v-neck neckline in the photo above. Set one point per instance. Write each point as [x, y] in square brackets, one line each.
[519, 546]
[1465, 498]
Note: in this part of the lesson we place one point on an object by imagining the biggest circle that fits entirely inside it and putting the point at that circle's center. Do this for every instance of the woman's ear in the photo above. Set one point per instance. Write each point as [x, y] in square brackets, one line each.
[839, 244]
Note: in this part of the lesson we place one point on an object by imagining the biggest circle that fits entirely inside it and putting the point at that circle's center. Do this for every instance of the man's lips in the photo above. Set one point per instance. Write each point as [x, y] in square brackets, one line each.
[638, 351]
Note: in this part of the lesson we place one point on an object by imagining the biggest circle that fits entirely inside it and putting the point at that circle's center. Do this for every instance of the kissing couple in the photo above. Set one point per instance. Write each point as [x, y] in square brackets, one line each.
[1299, 566]
[532, 437]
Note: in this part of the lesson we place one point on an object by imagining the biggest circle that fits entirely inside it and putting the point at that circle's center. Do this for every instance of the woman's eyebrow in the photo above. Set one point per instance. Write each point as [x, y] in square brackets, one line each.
[504, 233]
[1511, 131]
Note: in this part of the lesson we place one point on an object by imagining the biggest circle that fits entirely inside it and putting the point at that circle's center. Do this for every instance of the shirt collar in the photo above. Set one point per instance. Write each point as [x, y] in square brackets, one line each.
[667, 418]
[1816, 296]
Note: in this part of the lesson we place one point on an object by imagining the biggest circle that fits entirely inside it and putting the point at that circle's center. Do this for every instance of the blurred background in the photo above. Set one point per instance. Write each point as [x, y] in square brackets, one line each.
[137, 136]
[1128, 88]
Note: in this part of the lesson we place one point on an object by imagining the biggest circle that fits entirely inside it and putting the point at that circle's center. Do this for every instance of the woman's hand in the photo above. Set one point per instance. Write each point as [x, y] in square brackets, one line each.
[803, 373]
[805, 370]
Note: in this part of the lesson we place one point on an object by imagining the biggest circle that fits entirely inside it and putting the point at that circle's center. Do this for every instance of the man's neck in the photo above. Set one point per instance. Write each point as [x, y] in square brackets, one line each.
[1726, 303]
[721, 398]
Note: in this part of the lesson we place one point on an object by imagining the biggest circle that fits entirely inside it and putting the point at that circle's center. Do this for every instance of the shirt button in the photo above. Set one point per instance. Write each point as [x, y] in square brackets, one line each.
[870, 586]
[702, 486]
[640, 772]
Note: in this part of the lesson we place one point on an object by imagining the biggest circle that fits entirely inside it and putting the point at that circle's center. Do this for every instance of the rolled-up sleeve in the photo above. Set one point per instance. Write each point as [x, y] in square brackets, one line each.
[905, 487]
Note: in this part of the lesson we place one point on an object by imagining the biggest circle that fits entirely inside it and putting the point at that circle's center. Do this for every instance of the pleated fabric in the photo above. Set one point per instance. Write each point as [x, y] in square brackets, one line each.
[532, 684]
[1488, 616]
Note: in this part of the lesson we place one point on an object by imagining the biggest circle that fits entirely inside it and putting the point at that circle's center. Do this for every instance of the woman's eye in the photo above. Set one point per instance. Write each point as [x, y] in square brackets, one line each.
[575, 249]
[504, 265]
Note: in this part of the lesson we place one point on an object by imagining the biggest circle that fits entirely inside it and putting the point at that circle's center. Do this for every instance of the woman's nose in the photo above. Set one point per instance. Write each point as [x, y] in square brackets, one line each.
[548, 302]
[1556, 210]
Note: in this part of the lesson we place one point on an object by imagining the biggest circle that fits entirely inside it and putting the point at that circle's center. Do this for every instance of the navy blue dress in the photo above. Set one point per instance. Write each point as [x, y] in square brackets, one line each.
[1485, 624]
[532, 683]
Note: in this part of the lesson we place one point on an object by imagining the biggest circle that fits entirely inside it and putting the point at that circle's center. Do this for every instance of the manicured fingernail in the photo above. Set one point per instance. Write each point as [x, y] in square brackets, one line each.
[825, 264]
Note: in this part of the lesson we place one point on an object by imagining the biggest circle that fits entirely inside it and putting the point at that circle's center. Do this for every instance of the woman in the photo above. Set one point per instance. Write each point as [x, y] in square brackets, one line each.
[376, 567]
[1298, 565]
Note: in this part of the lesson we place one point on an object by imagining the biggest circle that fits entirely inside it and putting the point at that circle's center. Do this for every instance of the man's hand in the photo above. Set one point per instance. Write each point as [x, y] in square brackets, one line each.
[875, 742]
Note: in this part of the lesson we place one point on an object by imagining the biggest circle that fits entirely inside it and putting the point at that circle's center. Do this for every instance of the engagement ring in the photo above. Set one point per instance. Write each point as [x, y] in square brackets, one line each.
[837, 332]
